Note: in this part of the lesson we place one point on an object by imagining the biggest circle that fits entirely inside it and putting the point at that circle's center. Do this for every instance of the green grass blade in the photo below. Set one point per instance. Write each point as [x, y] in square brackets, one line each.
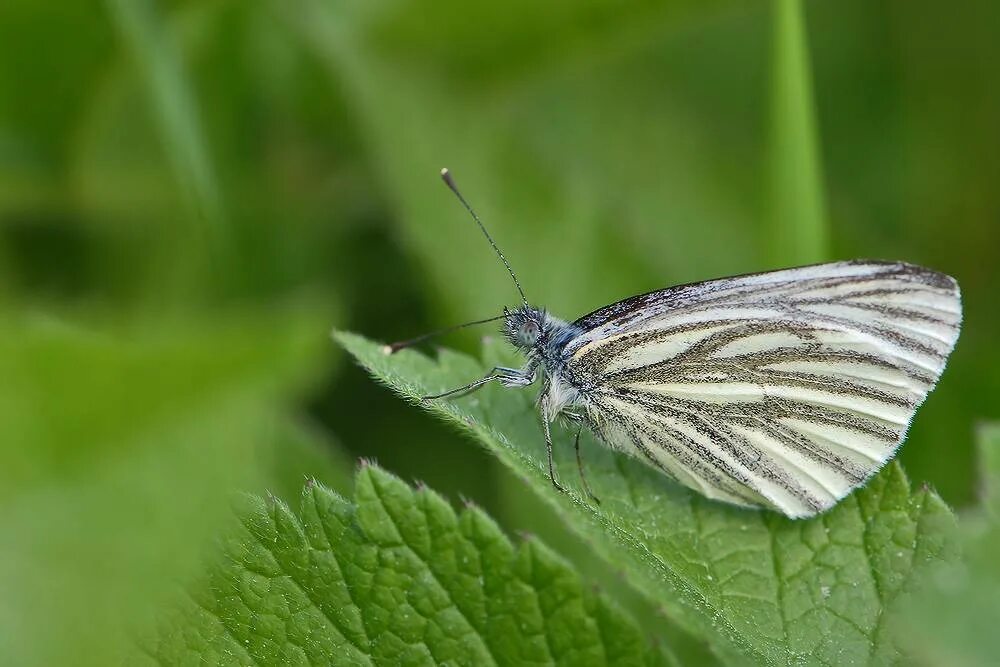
[797, 231]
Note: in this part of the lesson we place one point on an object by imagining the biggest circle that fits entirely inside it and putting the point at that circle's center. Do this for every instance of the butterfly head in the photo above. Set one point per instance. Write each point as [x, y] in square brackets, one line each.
[524, 327]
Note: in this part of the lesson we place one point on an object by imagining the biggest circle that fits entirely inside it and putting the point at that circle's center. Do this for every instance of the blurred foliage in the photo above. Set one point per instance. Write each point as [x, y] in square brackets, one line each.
[123, 445]
[953, 621]
[193, 192]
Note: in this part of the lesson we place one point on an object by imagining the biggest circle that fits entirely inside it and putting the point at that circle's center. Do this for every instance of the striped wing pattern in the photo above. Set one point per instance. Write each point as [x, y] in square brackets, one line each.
[785, 389]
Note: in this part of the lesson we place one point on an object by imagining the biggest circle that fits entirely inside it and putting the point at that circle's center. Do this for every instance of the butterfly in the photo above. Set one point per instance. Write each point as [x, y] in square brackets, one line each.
[784, 390]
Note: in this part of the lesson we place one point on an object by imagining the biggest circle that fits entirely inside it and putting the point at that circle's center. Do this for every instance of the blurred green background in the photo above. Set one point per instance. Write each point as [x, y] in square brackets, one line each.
[192, 194]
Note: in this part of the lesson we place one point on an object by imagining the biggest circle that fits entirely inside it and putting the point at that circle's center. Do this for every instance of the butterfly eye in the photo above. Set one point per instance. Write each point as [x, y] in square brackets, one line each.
[528, 333]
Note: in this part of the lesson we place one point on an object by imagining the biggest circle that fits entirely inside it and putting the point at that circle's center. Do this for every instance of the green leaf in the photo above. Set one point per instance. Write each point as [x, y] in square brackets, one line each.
[755, 584]
[953, 621]
[531, 513]
[396, 577]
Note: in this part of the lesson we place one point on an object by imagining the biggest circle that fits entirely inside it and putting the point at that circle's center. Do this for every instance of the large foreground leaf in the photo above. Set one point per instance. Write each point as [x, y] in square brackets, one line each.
[394, 578]
[754, 583]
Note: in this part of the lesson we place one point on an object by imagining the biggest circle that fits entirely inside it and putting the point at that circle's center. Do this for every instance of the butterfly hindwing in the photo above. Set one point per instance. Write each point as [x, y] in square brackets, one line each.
[784, 389]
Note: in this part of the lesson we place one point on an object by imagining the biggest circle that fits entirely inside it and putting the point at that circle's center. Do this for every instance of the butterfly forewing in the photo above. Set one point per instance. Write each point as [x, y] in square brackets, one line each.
[784, 389]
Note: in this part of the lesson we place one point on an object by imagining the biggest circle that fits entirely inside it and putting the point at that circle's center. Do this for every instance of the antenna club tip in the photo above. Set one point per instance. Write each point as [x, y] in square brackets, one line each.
[446, 177]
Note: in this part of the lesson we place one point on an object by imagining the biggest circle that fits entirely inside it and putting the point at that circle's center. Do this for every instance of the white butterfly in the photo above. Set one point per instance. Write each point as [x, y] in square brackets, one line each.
[784, 390]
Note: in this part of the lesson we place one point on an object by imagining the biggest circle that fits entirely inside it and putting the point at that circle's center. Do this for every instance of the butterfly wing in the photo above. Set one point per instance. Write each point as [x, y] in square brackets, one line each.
[784, 389]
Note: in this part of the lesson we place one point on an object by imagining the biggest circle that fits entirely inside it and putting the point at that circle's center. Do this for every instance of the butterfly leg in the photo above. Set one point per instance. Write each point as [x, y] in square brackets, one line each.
[509, 377]
[578, 418]
[579, 465]
[548, 450]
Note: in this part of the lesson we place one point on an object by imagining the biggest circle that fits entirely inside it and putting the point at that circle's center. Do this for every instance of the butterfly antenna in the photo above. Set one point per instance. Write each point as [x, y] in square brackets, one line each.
[450, 182]
[396, 347]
